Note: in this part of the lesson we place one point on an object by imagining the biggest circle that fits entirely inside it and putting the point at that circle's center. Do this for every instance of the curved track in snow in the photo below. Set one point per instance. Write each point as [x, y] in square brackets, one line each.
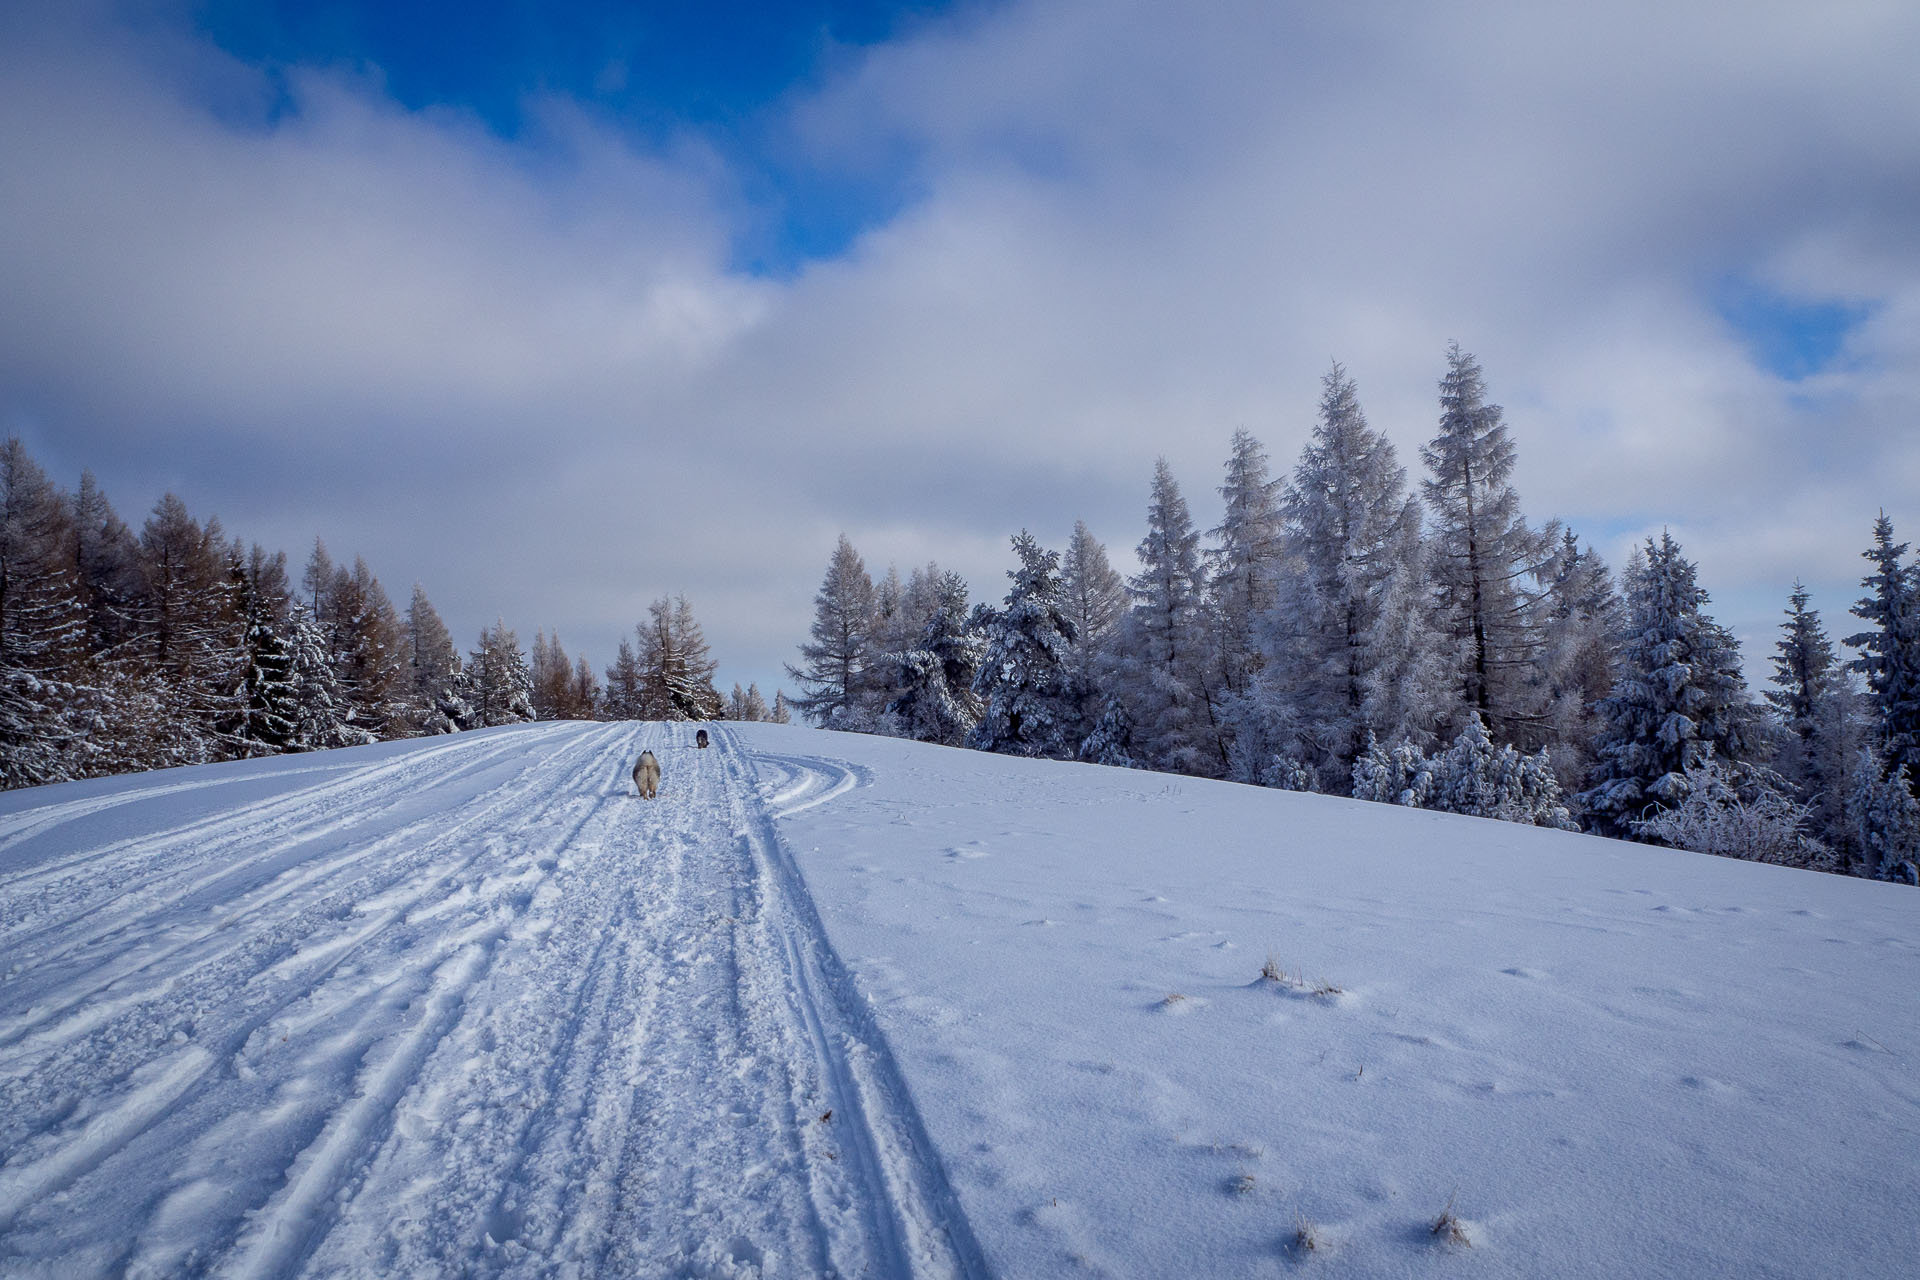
[472, 1008]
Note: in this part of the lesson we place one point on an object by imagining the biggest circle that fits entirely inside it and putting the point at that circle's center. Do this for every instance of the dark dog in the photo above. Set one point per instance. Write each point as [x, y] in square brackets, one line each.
[646, 775]
[700, 739]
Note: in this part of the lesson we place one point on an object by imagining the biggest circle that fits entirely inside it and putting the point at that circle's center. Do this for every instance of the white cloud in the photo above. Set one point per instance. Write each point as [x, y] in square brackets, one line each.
[1137, 227]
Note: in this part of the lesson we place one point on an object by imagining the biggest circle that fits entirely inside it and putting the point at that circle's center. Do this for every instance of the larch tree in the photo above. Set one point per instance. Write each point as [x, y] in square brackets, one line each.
[1096, 600]
[1347, 646]
[1488, 566]
[433, 699]
[833, 671]
[42, 627]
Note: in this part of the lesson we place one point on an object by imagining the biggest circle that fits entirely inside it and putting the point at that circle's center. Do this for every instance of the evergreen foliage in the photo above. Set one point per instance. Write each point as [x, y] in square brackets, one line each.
[1024, 685]
[1733, 816]
[936, 702]
[1161, 669]
[1347, 646]
[1679, 697]
[1890, 652]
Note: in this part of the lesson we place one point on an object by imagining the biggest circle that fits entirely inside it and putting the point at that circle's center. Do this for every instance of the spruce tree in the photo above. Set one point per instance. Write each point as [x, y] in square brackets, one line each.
[1678, 698]
[936, 702]
[833, 675]
[1026, 700]
[1890, 652]
[1162, 648]
[1583, 622]
[1817, 738]
[500, 685]
[321, 716]
[1487, 564]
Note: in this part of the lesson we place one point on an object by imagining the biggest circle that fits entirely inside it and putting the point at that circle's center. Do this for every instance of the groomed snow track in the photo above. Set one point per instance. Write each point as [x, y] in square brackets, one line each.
[471, 1008]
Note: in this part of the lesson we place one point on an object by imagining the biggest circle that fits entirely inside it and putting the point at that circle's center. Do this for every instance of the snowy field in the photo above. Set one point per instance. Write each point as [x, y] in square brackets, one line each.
[851, 1006]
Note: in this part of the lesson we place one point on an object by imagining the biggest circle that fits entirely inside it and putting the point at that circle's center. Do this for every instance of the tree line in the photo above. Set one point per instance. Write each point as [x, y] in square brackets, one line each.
[124, 650]
[1340, 632]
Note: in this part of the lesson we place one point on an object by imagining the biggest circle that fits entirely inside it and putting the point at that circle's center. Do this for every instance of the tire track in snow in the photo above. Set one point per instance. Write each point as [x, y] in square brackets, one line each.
[917, 1224]
[142, 949]
[235, 1008]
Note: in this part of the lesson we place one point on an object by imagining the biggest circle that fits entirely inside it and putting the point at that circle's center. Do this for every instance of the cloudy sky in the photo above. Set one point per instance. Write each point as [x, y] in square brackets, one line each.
[559, 312]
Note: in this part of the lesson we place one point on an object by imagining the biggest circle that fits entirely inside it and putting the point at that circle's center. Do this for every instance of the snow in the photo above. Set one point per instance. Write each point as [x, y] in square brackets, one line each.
[848, 1005]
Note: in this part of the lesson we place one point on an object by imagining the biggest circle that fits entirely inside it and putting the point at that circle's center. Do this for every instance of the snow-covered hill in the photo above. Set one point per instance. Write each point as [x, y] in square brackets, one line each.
[844, 1005]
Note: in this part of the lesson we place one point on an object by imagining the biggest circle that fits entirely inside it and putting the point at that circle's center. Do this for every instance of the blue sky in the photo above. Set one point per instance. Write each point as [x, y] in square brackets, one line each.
[558, 310]
[656, 71]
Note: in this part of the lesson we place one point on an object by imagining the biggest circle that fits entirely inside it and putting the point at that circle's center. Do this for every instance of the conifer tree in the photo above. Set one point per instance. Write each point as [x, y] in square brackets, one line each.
[1678, 698]
[832, 677]
[1025, 697]
[500, 685]
[583, 696]
[675, 664]
[1162, 648]
[755, 706]
[433, 701]
[1487, 564]
[1817, 738]
[368, 651]
[782, 708]
[1885, 819]
[1242, 563]
[1890, 652]
[1096, 601]
[626, 697]
[321, 717]
[42, 627]
[1583, 622]
[1348, 650]
[936, 702]
[192, 635]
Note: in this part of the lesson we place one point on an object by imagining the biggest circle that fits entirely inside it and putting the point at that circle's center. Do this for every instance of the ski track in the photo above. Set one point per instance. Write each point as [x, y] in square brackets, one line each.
[473, 1010]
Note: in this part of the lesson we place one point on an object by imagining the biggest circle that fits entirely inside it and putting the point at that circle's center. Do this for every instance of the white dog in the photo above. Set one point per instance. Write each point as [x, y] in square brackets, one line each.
[646, 775]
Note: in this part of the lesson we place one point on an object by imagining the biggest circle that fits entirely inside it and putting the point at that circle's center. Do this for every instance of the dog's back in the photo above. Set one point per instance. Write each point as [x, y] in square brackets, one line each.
[646, 775]
[700, 739]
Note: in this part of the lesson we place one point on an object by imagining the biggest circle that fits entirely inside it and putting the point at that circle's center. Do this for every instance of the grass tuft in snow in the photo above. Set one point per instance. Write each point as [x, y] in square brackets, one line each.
[1240, 1184]
[1306, 1235]
[1296, 980]
[1450, 1230]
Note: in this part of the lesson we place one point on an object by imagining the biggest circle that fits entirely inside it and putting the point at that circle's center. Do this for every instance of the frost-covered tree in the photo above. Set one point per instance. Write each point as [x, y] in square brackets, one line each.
[271, 693]
[1347, 645]
[321, 717]
[1890, 652]
[1096, 601]
[1818, 736]
[433, 701]
[1027, 703]
[747, 704]
[832, 674]
[675, 664]
[191, 634]
[499, 687]
[1679, 697]
[1473, 776]
[782, 708]
[1886, 820]
[1583, 620]
[1111, 741]
[368, 651]
[936, 702]
[626, 695]
[43, 628]
[1728, 815]
[1161, 670]
[1241, 564]
[1487, 565]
